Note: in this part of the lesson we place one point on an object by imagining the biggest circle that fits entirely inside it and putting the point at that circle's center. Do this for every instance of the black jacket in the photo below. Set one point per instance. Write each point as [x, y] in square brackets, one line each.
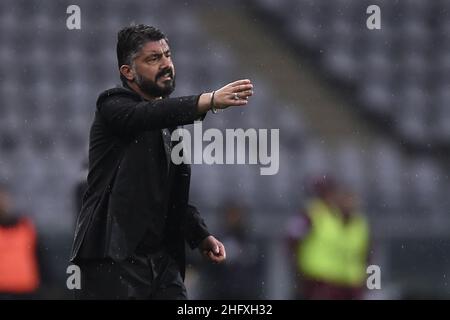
[134, 190]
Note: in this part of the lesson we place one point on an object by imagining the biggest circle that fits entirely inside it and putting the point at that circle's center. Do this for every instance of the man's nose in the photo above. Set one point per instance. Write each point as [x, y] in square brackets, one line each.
[165, 62]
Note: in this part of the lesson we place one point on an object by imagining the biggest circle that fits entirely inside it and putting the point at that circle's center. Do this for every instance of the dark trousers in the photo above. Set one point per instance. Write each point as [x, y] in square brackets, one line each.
[142, 276]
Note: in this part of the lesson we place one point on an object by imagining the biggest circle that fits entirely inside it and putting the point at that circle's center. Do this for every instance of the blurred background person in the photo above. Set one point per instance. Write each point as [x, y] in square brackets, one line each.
[241, 274]
[19, 272]
[330, 242]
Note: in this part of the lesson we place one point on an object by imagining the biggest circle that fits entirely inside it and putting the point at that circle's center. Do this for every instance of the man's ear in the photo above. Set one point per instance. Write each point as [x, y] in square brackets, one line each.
[127, 72]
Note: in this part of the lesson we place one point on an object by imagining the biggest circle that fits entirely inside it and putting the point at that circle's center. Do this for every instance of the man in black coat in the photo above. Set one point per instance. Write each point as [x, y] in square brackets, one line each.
[135, 216]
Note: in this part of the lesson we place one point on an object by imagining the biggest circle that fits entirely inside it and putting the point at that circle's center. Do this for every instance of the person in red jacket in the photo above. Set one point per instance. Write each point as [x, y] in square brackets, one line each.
[19, 274]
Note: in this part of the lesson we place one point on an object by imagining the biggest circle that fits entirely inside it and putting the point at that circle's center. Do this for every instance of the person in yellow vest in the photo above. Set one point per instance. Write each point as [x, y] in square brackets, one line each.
[19, 275]
[331, 247]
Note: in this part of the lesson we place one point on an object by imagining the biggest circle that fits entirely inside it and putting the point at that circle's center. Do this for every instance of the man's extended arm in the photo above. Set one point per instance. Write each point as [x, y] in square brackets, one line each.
[127, 113]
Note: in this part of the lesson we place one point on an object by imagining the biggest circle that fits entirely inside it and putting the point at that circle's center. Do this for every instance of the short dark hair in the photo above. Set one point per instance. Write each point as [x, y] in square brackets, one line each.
[131, 39]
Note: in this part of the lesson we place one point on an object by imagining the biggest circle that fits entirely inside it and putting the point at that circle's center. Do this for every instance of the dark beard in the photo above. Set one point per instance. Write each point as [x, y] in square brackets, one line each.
[150, 87]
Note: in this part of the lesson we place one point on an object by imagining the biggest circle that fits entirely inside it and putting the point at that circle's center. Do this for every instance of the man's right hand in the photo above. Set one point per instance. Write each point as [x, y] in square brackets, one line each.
[233, 94]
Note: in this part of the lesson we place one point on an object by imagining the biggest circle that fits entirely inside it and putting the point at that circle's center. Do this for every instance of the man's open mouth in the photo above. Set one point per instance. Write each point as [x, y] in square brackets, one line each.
[166, 76]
